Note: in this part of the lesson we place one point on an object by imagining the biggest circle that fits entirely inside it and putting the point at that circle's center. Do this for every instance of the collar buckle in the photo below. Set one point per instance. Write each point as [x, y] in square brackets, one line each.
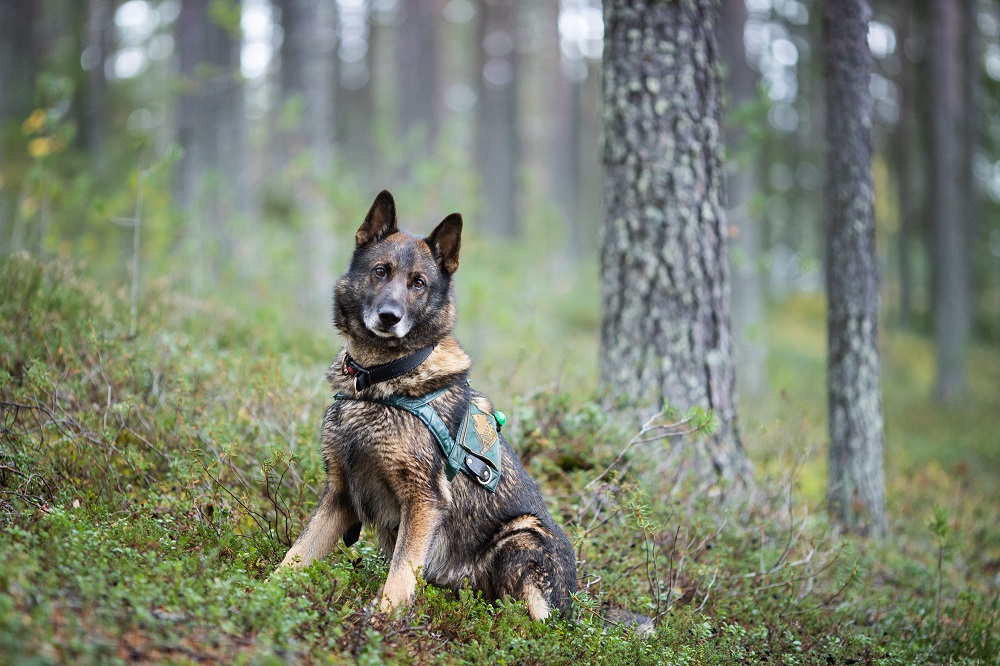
[365, 377]
[362, 376]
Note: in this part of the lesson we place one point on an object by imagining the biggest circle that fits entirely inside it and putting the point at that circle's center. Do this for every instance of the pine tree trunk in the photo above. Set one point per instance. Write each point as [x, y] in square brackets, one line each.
[211, 180]
[307, 73]
[563, 120]
[417, 73]
[950, 287]
[968, 182]
[741, 183]
[18, 60]
[99, 46]
[18, 63]
[307, 76]
[902, 155]
[498, 132]
[856, 479]
[665, 337]
[590, 131]
[355, 100]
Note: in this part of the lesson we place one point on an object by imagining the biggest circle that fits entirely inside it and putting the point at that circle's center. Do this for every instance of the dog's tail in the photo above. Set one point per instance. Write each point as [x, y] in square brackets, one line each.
[620, 617]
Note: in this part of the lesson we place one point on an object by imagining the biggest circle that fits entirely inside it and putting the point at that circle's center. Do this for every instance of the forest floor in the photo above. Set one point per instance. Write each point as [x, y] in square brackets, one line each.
[149, 485]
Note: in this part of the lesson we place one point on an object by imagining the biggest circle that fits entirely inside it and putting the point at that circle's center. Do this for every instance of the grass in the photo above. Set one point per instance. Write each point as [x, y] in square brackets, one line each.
[150, 484]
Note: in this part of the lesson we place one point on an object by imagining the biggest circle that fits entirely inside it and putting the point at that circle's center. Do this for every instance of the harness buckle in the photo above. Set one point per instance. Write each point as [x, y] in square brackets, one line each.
[481, 471]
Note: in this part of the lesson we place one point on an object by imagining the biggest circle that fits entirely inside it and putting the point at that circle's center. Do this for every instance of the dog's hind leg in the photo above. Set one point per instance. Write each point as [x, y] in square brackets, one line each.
[520, 577]
[333, 517]
[518, 574]
[525, 565]
[533, 598]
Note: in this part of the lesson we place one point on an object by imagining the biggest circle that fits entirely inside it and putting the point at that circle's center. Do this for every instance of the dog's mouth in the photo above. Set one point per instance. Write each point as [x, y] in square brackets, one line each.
[386, 333]
[387, 329]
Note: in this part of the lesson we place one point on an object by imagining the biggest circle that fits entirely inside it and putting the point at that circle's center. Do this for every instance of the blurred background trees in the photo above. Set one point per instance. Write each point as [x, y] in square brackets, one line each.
[290, 114]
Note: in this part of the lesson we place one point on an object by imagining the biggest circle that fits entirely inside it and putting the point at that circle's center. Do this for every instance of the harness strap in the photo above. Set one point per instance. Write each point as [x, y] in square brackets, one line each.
[476, 450]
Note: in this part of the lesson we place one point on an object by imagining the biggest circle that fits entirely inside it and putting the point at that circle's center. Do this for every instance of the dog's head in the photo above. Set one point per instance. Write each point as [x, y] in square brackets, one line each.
[397, 292]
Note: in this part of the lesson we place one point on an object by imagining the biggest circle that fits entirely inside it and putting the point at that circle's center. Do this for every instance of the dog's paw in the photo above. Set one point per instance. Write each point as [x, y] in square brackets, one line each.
[293, 560]
[391, 606]
[386, 605]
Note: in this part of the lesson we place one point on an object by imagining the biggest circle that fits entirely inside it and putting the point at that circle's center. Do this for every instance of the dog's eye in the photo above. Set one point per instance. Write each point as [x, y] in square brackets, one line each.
[419, 282]
[380, 271]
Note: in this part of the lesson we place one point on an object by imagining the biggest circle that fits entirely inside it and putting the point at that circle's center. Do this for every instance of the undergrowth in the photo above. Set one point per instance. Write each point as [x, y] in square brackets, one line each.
[149, 485]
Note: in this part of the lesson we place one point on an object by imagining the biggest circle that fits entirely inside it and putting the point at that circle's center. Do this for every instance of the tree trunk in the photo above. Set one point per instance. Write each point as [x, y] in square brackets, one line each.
[590, 129]
[741, 183]
[498, 135]
[969, 196]
[307, 76]
[417, 87]
[665, 337]
[211, 182]
[902, 155]
[355, 112]
[563, 120]
[856, 490]
[307, 72]
[950, 288]
[18, 62]
[99, 40]
[564, 158]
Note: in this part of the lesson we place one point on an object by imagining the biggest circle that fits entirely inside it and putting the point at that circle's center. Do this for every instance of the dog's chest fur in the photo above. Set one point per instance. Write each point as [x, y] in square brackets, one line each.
[367, 458]
[383, 453]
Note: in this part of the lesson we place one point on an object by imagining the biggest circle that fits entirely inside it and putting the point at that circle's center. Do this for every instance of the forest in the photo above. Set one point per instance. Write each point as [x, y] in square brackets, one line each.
[730, 267]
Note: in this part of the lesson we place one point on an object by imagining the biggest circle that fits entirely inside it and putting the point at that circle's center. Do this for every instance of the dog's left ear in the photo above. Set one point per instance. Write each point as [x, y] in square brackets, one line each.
[445, 242]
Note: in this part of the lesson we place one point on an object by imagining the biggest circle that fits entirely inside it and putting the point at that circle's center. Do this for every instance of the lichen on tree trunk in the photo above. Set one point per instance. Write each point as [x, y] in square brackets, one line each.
[665, 334]
[856, 489]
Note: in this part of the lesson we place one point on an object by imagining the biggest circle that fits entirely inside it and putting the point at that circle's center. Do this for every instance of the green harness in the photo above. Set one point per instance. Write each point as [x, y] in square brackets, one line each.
[475, 451]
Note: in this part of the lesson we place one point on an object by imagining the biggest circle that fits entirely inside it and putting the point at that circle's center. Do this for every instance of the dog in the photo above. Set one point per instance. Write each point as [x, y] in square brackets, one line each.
[411, 451]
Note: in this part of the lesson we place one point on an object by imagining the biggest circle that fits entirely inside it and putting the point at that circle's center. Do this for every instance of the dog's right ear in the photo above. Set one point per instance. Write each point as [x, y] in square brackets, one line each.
[380, 221]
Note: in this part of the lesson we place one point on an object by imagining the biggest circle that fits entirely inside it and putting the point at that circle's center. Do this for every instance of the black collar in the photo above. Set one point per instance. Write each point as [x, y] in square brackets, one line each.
[365, 377]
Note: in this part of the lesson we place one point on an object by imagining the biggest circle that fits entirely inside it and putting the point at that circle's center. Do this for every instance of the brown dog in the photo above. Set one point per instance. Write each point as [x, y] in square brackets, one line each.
[436, 482]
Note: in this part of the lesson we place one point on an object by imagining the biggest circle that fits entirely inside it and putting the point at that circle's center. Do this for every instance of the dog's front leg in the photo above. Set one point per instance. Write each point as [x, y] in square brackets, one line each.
[333, 517]
[417, 524]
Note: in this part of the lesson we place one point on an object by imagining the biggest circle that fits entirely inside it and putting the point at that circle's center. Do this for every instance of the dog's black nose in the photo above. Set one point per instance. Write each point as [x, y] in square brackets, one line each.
[390, 314]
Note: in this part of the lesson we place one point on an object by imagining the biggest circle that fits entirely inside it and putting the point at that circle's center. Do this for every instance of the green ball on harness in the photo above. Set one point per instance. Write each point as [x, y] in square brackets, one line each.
[500, 417]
